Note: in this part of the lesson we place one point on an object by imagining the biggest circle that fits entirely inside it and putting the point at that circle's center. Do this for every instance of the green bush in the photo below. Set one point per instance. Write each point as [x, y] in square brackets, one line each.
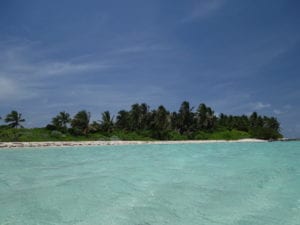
[265, 133]
[174, 135]
[131, 135]
[222, 135]
[10, 135]
[201, 135]
[57, 134]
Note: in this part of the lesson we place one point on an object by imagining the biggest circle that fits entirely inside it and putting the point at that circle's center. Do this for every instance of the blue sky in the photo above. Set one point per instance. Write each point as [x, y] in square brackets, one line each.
[235, 56]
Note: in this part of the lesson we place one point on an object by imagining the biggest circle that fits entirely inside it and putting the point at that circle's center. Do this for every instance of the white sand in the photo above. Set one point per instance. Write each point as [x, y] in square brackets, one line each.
[101, 143]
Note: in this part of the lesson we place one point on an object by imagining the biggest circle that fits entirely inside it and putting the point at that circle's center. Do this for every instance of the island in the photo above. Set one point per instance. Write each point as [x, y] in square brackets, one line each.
[140, 123]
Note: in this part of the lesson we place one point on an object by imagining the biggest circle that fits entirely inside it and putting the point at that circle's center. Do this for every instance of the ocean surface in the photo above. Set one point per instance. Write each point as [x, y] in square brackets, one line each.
[187, 184]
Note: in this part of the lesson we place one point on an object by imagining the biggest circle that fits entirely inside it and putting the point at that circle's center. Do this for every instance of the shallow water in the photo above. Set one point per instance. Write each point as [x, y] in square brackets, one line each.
[221, 183]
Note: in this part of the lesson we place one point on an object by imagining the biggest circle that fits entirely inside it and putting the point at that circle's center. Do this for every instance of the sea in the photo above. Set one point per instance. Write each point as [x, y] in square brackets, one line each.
[186, 184]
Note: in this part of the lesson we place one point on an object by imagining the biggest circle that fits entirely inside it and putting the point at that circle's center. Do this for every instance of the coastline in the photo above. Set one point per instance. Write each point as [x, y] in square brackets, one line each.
[107, 143]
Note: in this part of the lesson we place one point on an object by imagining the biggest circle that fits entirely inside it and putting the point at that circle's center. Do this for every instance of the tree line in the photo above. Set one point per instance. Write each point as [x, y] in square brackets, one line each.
[159, 123]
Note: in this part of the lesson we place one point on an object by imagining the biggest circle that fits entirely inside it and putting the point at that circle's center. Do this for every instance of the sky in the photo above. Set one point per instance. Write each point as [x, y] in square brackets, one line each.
[235, 56]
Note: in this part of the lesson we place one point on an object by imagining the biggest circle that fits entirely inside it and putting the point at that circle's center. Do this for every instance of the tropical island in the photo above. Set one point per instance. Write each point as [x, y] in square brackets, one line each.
[142, 124]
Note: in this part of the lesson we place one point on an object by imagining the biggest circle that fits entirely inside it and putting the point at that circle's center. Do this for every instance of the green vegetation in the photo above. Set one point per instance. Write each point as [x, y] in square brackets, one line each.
[61, 121]
[141, 123]
[14, 119]
[80, 123]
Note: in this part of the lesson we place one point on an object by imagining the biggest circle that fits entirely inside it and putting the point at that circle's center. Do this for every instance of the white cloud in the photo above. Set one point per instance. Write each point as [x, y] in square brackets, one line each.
[65, 68]
[143, 48]
[133, 49]
[204, 9]
[7, 88]
[285, 109]
[25, 61]
[11, 90]
[260, 105]
[24, 69]
[278, 112]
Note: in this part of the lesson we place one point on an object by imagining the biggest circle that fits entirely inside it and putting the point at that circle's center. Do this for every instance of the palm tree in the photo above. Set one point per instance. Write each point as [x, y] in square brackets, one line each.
[14, 119]
[254, 120]
[123, 120]
[161, 118]
[161, 122]
[61, 121]
[205, 117]
[145, 114]
[135, 117]
[185, 117]
[139, 117]
[107, 122]
[80, 123]
[272, 123]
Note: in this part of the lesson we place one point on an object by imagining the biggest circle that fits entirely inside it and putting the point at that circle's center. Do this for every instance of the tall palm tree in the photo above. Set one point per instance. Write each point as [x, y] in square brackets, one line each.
[185, 117]
[80, 123]
[123, 120]
[14, 119]
[161, 119]
[61, 121]
[107, 122]
[272, 123]
[144, 114]
[205, 117]
[135, 117]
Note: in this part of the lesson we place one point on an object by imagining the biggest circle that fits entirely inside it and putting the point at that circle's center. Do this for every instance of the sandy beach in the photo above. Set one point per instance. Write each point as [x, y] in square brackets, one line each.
[104, 143]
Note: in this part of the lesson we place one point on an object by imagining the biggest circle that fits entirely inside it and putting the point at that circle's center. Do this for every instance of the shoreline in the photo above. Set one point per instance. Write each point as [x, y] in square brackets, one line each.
[108, 143]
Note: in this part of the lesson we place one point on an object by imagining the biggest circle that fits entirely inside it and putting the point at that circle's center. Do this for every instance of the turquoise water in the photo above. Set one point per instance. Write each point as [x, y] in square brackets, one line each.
[222, 183]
